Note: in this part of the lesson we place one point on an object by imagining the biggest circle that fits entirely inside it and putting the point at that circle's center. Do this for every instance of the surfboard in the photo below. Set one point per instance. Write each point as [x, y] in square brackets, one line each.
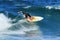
[34, 19]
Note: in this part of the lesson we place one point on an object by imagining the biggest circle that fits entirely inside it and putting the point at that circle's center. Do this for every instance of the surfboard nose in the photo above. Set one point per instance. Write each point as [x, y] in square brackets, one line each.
[41, 18]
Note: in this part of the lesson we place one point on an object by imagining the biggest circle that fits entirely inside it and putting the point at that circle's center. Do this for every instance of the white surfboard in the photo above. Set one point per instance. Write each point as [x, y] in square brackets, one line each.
[35, 19]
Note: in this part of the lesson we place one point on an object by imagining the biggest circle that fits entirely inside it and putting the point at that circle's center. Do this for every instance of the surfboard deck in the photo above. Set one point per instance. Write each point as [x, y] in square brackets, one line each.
[34, 19]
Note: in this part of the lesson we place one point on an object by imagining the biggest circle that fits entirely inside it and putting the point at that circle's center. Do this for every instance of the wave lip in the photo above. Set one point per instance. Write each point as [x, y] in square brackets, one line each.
[55, 7]
[27, 7]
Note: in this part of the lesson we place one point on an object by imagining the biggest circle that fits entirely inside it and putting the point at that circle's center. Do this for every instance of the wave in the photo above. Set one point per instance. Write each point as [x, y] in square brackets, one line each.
[24, 27]
[20, 27]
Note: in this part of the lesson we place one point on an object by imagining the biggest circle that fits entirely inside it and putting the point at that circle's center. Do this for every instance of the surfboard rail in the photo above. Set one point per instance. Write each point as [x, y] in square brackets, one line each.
[34, 19]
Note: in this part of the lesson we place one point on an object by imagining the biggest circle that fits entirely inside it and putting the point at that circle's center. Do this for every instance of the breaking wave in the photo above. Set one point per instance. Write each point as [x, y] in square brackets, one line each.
[20, 27]
[55, 7]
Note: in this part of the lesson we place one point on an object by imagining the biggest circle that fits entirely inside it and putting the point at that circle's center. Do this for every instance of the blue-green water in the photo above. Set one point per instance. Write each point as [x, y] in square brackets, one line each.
[12, 28]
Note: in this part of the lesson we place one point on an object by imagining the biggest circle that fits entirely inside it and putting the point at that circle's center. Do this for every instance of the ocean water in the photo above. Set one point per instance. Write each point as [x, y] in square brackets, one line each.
[14, 27]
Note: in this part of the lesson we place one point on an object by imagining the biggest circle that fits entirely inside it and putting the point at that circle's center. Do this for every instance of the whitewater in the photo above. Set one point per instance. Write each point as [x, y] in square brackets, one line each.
[21, 30]
[20, 27]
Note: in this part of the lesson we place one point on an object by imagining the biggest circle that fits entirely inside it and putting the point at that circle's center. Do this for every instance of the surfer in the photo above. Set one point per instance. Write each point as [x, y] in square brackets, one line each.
[26, 15]
[30, 18]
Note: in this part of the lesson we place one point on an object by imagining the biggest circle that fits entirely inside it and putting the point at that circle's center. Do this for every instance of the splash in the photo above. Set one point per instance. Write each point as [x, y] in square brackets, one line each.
[22, 27]
[4, 22]
[5, 25]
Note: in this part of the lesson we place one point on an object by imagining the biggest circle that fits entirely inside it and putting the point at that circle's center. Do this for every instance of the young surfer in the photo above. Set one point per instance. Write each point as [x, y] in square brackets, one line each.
[26, 15]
